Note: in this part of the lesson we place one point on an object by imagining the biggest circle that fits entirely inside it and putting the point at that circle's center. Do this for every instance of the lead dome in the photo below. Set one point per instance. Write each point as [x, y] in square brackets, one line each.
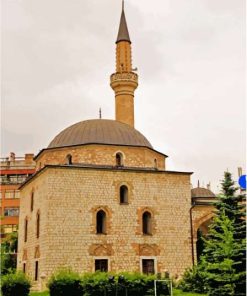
[99, 131]
[201, 192]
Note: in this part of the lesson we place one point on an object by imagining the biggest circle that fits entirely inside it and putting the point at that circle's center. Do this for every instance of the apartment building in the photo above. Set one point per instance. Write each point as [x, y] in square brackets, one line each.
[14, 171]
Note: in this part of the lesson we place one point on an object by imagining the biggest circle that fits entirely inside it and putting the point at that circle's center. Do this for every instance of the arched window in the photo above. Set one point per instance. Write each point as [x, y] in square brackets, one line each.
[101, 222]
[25, 229]
[155, 163]
[69, 159]
[119, 159]
[123, 194]
[36, 274]
[24, 268]
[37, 224]
[32, 201]
[146, 223]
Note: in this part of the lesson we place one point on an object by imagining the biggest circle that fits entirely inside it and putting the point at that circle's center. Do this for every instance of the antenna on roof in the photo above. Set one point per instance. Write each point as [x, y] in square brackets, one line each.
[100, 113]
[198, 183]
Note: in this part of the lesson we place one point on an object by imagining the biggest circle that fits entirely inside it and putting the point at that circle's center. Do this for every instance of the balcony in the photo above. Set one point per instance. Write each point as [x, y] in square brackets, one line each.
[11, 212]
[13, 179]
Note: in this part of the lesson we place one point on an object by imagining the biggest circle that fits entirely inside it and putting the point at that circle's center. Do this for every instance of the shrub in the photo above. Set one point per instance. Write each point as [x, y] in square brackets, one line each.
[194, 280]
[64, 283]
[98, 283]
[135, 284]
[15, 284]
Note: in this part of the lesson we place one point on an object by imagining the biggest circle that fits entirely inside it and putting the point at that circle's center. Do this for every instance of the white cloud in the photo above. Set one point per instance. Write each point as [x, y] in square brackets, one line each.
[58, 56]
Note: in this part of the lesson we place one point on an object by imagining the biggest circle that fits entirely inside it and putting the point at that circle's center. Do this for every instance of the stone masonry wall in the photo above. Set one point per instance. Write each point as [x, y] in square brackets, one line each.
[103, 155]
[68, 200]
[31, 251]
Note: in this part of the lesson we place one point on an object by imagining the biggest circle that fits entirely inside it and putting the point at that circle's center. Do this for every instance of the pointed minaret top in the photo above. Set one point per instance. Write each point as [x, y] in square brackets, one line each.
[123, 33]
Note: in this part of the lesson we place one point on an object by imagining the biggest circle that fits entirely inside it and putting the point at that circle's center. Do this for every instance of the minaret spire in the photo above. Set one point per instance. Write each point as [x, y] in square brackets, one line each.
[124, 81]
[123, 33]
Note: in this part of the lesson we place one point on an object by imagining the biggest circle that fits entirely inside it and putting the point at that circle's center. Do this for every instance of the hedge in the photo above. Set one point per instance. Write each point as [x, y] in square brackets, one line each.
[66, 282]
[15, 284]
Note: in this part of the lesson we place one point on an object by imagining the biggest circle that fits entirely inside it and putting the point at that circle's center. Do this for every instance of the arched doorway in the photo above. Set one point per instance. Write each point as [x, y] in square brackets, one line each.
[202, 232]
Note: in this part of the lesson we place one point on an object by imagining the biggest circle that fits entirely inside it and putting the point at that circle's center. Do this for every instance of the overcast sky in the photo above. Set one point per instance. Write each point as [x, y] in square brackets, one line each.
[57, 56]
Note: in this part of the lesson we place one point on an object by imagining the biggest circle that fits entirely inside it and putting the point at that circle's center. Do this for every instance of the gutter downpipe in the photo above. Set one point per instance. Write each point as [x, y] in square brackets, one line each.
[191, 233]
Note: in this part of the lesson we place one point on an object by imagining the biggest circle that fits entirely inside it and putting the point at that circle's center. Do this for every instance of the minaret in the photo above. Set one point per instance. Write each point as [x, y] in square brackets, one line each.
[124, 81]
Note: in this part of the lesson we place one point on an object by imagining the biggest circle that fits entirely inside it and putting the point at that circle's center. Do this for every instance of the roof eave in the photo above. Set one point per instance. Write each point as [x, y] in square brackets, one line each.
[85, 144]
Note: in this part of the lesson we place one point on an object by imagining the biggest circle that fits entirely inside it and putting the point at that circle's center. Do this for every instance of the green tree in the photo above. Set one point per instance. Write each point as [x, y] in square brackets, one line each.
[224, 254]
[9, 253]
[200, 244]
[233, 205]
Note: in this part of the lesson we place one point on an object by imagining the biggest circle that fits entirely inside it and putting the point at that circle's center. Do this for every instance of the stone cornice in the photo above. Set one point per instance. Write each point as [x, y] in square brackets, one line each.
[100, 167]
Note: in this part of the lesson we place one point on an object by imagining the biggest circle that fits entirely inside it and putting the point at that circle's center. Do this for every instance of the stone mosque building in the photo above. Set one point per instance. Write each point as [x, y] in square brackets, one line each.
[102, 198]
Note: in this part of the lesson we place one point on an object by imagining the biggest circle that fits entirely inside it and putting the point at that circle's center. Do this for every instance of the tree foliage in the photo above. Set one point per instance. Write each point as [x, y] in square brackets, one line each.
[224, 255]
[222, 266]
[200, 244]
[15, 284]
[9, 253]
[194, 279]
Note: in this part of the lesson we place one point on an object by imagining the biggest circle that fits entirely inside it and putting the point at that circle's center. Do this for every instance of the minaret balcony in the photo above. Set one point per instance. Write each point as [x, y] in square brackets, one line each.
[124, 77]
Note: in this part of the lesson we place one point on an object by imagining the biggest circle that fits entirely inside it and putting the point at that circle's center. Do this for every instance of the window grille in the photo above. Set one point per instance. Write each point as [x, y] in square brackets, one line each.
[148, 266]
[101, 265]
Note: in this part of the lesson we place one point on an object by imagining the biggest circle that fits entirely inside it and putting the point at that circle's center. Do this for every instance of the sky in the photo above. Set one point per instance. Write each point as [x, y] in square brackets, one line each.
[57, 57]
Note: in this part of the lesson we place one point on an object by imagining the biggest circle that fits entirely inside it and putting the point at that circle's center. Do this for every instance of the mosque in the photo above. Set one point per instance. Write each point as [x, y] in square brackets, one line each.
[102, 198]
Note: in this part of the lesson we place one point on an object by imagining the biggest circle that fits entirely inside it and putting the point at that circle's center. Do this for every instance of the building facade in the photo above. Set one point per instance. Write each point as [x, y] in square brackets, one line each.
[14, 171]
[201, 213]
[102, 198]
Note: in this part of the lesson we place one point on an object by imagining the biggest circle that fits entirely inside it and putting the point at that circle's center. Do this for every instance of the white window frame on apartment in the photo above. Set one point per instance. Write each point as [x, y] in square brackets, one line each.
[102, 258]
[149, 258]
[12, 194]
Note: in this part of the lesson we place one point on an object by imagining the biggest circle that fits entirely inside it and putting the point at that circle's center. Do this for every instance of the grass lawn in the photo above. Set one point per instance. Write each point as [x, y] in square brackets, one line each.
[39, 294]
[181, 293]
[175, 293]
